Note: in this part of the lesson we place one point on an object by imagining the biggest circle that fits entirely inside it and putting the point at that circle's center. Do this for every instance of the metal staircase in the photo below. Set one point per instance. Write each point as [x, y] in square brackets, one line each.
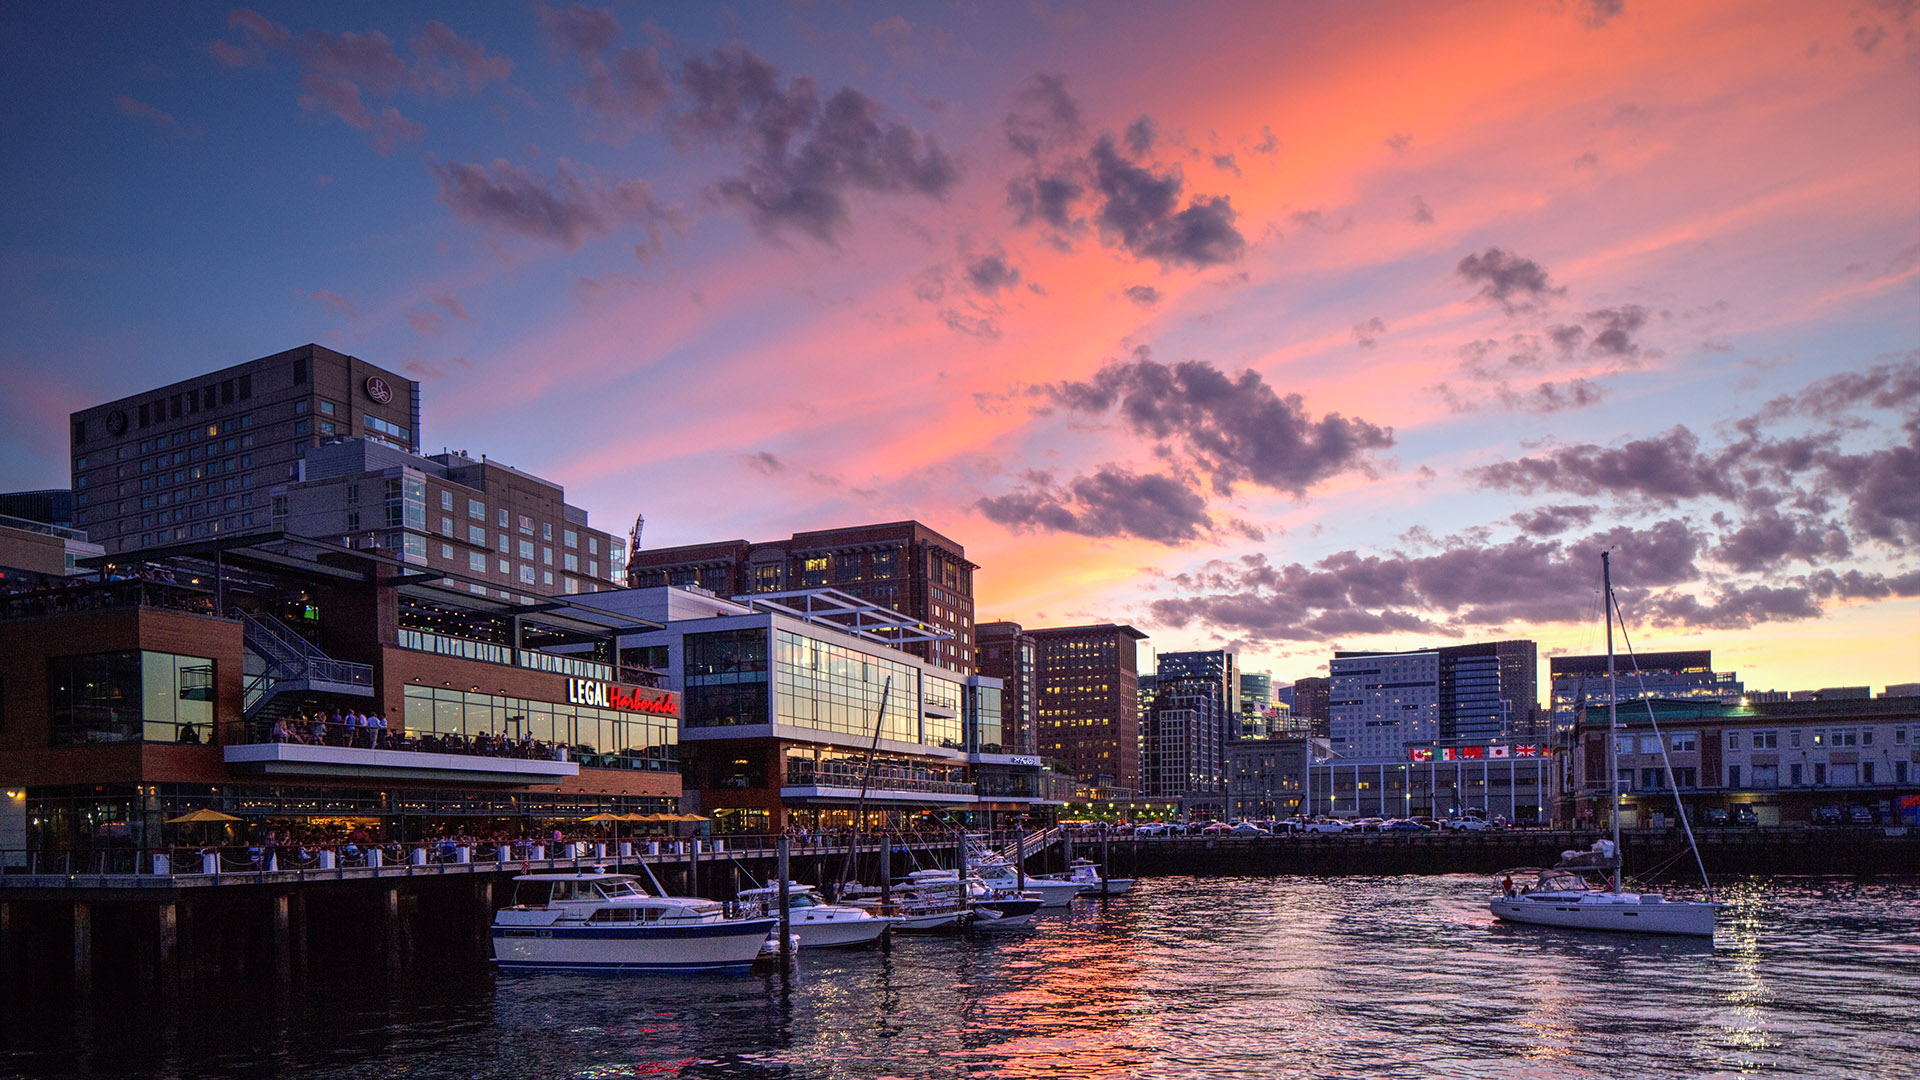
[278, 661]
[1032, 844]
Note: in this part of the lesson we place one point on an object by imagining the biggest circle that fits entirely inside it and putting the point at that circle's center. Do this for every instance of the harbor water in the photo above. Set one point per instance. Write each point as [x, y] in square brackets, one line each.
[1182, 977]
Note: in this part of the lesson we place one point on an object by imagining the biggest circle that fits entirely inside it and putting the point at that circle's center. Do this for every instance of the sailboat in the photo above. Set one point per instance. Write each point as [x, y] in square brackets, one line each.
[1564, 896]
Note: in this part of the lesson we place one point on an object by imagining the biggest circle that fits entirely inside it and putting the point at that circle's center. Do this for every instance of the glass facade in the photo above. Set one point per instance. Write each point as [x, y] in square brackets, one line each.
[984, 721]
[725, 678]
[595, 738]
[130, 697]
[830, 687]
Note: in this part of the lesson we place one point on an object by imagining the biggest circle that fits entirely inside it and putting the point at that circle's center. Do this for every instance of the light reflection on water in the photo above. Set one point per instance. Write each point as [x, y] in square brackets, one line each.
[1248, 977]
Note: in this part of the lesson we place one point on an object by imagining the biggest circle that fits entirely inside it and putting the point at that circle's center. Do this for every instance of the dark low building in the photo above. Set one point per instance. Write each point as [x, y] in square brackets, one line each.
[202, 677]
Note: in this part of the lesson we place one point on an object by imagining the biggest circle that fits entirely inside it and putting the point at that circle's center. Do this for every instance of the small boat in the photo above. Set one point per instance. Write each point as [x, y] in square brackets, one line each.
[818, 924]
[928, 907]
[1562, 896]
[1086, 874]
[597, 921]
[1568, 897]
[997, 874]
[1001, 909]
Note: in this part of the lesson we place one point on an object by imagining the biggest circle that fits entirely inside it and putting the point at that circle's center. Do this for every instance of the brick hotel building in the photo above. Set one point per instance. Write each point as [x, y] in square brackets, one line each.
[317, 443]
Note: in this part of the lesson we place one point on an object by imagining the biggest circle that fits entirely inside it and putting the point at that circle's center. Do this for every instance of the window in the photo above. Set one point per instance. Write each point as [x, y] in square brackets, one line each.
[504, 542]
[1819, 772]
[1733, 776]
[1793, 738]
[572, 562]
[130, 697]
[1766, 740]
[1796, 774]
[813, 571]
[446, 526]
[446, 501]
[446, 551]
[1866, 772]
[385, 427]
[299, 427]
[506, 567]
[476, 536]
[546, 577]
[326, 408]
[353, 520]
[1899, 736]
[570, 538]
[546, 530]
[1686, 777]
[1733, 740]
[1686, 742]
[476, 562]
[1649, 744]
[353, 494]
[526, 574]
[546, 557]
[1652, 779]
[1899, 772]
[526, 550]
[593, 545]
[476, 510]
[503, 518]
[526, 524]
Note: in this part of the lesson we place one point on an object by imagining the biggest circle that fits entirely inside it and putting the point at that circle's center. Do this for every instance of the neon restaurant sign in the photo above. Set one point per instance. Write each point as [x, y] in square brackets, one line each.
[602, 695]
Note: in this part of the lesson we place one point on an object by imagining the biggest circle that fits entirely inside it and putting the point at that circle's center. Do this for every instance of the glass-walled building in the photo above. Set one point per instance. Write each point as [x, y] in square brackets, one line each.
[801, 707]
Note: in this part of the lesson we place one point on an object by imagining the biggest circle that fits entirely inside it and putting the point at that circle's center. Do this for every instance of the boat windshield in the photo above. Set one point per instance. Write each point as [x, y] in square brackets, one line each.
[622, 889]
[1560, 881]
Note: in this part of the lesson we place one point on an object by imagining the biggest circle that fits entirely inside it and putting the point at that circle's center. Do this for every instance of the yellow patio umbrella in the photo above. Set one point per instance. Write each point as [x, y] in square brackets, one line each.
[194, 817]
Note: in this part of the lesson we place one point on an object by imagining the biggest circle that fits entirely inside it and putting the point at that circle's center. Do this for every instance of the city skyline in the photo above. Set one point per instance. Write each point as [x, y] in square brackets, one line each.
[1302, 330]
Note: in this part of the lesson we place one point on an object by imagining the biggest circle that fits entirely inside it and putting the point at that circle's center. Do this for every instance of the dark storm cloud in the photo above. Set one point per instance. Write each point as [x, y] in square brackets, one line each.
[1236, 428]
[1890, 385]
[1044, 115]
[1509, 280]
[990, 273]
[1616, 327]
[1552, 520]
[805, 157]
[1144, 295]
[339, 71]
[1112, 502]
[1664, 468]
[1138, 210]
[1133, 206]
[1768, 538]
[1048, 199]
[1469, 583]
[565, 209]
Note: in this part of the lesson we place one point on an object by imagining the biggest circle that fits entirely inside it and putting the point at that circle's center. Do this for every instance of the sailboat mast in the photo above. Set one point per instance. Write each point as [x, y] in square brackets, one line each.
[1613, 714]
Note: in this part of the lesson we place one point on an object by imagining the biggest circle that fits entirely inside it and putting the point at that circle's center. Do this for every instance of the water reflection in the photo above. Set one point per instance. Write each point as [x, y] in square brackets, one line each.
[1250, 977]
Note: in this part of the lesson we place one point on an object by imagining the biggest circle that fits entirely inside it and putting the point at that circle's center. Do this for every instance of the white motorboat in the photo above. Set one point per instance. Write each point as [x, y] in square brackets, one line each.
[1001, 909]
[997, 874]
[606, 922]
[818, 924]
[1086, 874]
[1562, 896]
[924, 908]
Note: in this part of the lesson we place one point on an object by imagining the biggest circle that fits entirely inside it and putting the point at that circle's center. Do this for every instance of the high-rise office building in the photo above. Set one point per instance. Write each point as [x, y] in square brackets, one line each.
[1004, 651]
[902, 565]
[1185, 741]
[497, 530]
[1686, 674]
[1383, 702]
[1310, 703]
[195, 458]
[1088, 717]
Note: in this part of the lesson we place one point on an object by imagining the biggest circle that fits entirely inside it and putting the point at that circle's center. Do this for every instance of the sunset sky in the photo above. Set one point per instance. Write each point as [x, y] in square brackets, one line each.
[1283, 326]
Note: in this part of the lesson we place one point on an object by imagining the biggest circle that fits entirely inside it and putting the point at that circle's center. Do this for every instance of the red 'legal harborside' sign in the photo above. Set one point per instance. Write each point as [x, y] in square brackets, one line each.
[608, 696]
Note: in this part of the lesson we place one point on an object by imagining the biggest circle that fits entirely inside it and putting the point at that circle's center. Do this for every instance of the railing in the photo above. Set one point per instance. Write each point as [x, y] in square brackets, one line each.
[879, 780]
[290, 657]
[566, 665]
[106, 596]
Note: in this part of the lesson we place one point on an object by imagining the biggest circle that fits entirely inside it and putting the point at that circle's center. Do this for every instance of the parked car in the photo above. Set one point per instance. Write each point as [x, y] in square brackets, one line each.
[1247, 828]
[1156, 828]
[1367, 824]
[1861, 815]
[1329, 826]
[1827, 815]
[1466, 825]
[1215, 829]
[1403, 825]
[1744, 815]
[1716, 815]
